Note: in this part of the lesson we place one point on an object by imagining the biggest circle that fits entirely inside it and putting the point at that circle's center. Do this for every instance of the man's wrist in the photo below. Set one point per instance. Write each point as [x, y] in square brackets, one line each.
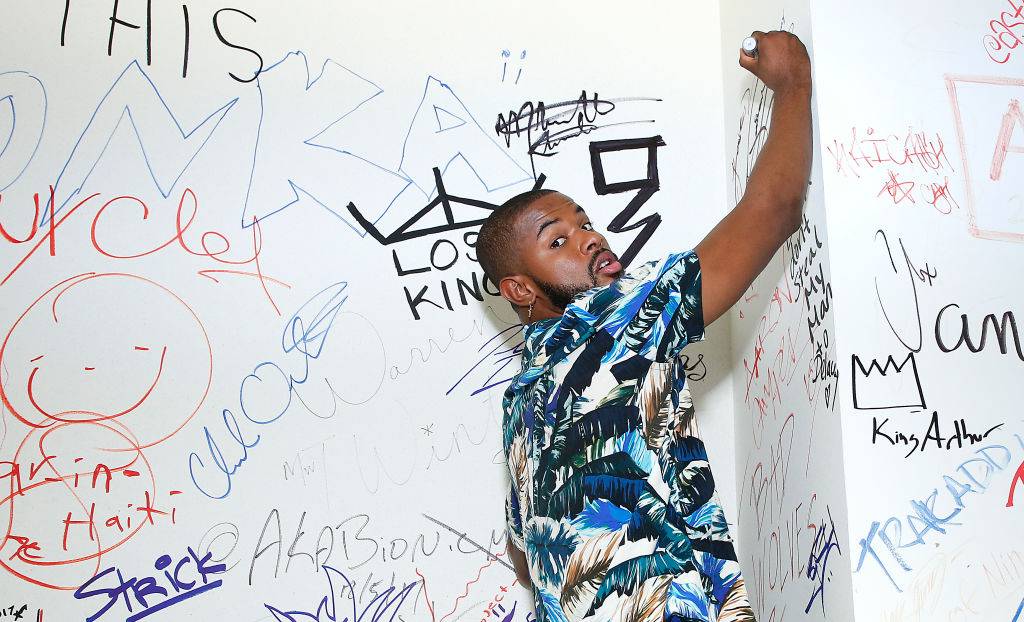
[797, 92]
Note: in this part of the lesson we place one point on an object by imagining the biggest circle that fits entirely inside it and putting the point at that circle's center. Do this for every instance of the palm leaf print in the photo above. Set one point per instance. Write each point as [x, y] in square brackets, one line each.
[585, 571]
[587, 364]
[621, 491]
[620, 395]
[549, 544]
[599, 424]
[687, 321]
[688, 599]
[736, 606]
[711, 519]
[627, 577]
[564, 406]
[695, 486]
[638, 330]
[618, 516]
[514, 518]
[684, 465]
[655, 404]
[648, 603]
[651, 519]
[559, 426]
[547, 478]
[570, 498]
[601, 516]
[688, 449]
[532, 411]
[517, 463]
[514, 418]
[682, 422]
[547, 607]
[571, 330]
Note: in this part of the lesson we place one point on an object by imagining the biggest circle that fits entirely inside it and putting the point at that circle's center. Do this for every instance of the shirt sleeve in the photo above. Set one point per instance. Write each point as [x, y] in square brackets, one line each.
[513, 518]
[670, 315]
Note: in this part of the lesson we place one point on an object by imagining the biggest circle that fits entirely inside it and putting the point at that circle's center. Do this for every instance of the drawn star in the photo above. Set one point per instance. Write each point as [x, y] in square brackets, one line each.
[427, 429]
[897, 190]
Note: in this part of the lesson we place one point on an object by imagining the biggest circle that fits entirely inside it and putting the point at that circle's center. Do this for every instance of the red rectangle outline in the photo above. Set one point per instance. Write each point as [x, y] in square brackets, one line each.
[951, 80]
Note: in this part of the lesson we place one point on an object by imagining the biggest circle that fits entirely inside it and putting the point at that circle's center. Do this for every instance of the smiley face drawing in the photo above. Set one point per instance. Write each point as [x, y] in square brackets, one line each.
[99, 368]
[99, 347]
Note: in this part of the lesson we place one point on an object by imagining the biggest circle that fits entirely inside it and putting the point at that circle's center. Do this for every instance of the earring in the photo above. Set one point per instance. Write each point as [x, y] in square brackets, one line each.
[529, 313]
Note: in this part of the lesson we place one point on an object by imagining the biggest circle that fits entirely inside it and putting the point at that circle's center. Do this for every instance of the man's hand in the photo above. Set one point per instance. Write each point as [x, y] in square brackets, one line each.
[519, 563]
[781, 61]
[743, 243]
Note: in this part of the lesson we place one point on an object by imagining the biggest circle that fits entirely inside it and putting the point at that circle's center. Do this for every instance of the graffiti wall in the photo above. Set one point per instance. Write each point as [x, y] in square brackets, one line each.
[250, 366]
[789, 459]
[923, 169]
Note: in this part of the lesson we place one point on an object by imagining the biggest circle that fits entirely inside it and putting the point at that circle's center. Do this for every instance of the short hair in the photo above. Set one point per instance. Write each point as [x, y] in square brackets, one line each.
[496, 245]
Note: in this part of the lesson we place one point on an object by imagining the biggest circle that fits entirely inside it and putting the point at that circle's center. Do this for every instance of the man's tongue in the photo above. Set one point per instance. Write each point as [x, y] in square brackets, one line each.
[611, 269]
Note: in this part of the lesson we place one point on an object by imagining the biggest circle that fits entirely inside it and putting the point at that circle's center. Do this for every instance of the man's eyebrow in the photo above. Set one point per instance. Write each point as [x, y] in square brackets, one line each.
[545, 225]
[548, 223]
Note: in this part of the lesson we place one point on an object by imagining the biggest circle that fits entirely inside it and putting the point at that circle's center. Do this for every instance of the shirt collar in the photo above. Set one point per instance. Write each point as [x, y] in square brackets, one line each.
[548, 341]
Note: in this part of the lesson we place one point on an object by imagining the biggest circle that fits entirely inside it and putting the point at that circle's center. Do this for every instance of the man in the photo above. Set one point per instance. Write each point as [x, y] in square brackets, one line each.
[612, 512]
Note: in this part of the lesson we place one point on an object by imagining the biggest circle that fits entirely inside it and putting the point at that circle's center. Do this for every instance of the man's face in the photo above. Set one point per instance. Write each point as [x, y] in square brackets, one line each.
[560, 250]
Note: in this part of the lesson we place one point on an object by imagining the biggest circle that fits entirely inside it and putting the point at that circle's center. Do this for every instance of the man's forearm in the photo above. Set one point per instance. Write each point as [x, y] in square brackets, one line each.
[778, 183]
[741, 245]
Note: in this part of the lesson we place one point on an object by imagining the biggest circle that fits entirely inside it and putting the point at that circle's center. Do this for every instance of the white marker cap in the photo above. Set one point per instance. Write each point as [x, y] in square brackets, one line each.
[749, 46]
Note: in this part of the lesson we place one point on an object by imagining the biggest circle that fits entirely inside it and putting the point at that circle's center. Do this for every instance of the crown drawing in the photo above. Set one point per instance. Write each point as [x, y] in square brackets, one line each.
[880, 386]
[444, 202]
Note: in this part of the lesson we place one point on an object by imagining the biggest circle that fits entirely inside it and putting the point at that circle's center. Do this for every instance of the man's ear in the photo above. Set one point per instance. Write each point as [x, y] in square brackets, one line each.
[517, 290]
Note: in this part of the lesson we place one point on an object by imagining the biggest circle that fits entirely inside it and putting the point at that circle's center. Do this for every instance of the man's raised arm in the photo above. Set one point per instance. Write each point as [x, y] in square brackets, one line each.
[743, 243]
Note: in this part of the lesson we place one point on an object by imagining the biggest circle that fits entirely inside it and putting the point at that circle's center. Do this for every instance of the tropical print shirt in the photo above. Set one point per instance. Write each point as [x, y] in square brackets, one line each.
[611, 494]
